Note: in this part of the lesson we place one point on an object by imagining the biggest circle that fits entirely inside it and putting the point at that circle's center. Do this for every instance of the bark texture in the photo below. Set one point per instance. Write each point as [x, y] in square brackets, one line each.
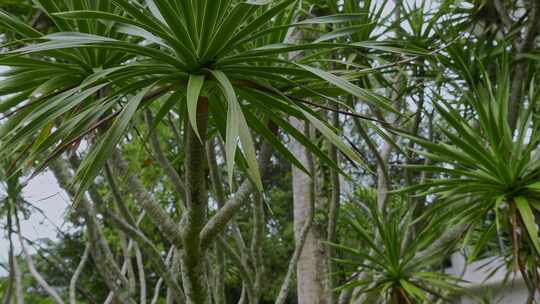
[194, 218]
[311, 268]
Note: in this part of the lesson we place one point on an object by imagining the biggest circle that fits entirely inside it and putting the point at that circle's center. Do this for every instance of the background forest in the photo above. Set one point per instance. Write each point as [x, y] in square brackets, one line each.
[269, 151]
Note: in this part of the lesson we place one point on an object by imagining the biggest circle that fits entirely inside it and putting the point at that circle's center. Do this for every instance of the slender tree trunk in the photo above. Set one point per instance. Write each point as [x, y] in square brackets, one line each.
[298, 248]
[219, 195]
[8, 293]
[194, 218]
[257, 245]
[77, 274]
[520, 77]
[175, 268]
[128, 262]
[139, 240]
[157, 287]
[53, 294]
[142, 275]
[19, 294]
[333, 215]
[311, 268]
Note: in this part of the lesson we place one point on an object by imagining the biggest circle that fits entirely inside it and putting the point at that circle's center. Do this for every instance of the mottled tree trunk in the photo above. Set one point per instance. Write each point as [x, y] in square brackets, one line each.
[219, 195]
[194, 217]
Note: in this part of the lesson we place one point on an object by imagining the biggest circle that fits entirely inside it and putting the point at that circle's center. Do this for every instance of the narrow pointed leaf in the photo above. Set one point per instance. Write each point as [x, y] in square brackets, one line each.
[363, 94]
[100, 153]
[335, 140]
[195, 85]
[528, 220]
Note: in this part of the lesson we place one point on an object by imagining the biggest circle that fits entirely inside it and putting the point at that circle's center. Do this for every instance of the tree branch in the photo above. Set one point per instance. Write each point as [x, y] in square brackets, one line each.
[244, 270]
[101, 251]
[169, 170]
[521, 69]
[159, 217]
[503, 14]
[39, 278]
[149, 249]
[77, 274]
[220, 220]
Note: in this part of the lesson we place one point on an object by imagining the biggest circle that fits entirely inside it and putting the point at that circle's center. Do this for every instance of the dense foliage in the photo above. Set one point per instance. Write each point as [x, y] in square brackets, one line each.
[270, 151]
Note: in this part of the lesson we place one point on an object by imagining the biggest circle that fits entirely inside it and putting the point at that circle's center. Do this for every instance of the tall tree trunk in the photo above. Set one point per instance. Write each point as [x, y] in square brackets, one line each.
[19, 291]
[311, 267]
[194, 218]
[8, 290]
[257, 245]
[333, 215]
[520, 76]
[219, 195]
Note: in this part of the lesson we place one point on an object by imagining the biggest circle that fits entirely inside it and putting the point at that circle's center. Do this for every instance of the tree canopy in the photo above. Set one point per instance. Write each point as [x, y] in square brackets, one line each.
[270, 151]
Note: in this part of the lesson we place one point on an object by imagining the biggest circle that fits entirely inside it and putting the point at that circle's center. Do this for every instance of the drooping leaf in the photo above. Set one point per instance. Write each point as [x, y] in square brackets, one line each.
[237, 130]
[195, 85]
[99, 154]
[527, 217]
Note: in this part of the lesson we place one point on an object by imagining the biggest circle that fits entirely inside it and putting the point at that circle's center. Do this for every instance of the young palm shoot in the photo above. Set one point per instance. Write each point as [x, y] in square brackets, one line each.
[399, 270]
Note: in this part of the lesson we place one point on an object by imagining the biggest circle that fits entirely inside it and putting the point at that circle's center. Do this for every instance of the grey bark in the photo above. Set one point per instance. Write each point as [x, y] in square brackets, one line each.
[245, 271]
[8, 294]
[142, 275]
[521, 69]
[19, 294]
[311, 267]
[77, 274]
[126, 250]
[159, 283]
[158, 265]
[33, 271]
[126, 246]
[124, 210]
[257, 244]
[312, 270]
[159, 217]
[333, 215]
[222, 218]
[298, 249]
[175, 268]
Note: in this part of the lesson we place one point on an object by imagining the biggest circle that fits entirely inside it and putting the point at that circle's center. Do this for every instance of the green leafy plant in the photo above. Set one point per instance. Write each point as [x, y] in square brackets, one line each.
[387, 263]
[113, 58]
[484, 168]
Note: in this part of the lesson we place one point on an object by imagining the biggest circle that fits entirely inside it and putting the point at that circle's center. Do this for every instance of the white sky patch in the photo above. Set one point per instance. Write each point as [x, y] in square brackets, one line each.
[44, 193]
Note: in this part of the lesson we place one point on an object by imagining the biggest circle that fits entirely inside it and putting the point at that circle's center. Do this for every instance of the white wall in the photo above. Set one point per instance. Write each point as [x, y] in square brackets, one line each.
[488, 278]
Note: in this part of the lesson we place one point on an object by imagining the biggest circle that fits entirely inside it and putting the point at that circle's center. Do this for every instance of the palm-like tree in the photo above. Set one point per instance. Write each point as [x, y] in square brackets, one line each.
[487, 170]
[222, 49]
[105, 61]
